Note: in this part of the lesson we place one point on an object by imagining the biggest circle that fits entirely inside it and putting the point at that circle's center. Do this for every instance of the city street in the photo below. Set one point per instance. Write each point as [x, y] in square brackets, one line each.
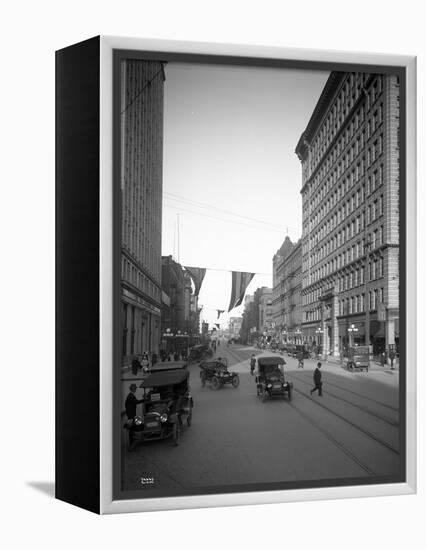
[352, 431]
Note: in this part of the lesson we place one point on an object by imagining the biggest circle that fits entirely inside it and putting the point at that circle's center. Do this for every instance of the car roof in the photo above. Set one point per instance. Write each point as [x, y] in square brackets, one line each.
[168, 365]
[165, 378]
[270, 361]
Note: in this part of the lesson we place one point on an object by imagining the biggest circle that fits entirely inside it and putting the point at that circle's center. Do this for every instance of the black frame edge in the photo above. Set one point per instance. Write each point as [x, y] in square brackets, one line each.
[77, 125]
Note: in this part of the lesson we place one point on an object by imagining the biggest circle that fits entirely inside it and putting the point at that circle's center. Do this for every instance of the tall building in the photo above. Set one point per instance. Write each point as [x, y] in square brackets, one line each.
[349, 153]
[175, 285]
[141, 196]
[286, 292]
[263, 296]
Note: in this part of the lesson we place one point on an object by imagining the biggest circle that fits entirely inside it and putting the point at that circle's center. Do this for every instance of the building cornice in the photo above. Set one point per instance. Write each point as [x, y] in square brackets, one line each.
[320, 110]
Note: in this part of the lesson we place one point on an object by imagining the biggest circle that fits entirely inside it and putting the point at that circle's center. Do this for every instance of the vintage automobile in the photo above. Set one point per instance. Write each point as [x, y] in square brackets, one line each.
[166, 401]
[270, 380]
[216, 372]
[199, 353]
[358, 358]
[297, 349]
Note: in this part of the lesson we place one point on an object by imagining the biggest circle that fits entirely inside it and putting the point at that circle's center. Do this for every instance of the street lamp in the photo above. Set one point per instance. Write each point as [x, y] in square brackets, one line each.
[352, 329]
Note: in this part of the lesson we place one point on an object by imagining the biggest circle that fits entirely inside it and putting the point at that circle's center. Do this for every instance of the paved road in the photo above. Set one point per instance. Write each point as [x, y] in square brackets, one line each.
[350, 432]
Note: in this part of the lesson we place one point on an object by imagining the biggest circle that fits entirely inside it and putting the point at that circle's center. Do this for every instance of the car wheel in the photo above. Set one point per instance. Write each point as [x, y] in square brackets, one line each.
[176, 433]
[236, 381]
[215, 383]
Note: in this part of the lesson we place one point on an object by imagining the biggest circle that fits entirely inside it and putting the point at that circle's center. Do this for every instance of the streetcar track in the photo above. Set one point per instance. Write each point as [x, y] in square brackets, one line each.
[390, 407]
[362, 430]
[393, 423]
[333, 440]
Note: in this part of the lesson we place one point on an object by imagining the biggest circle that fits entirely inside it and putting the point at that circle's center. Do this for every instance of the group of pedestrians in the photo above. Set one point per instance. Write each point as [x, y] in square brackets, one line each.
[144, 362]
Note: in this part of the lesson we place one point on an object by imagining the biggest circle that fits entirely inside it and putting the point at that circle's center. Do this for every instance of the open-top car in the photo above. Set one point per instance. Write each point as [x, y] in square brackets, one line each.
[216, 372]
[270, 380]
[166, 400]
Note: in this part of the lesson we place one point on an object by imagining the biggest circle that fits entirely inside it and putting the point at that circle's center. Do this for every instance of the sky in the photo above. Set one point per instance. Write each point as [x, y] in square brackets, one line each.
[231, 178]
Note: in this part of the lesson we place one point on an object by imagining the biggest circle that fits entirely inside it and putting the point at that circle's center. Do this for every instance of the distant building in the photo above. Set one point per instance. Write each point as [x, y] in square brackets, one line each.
[286, 300]
[141, 198]
[263, 297]
[350, 242]
[235, 327]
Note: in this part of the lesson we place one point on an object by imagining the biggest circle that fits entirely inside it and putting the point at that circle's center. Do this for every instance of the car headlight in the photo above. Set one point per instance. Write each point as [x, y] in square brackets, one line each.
[269, 386]
[138, 421]
[163, 417]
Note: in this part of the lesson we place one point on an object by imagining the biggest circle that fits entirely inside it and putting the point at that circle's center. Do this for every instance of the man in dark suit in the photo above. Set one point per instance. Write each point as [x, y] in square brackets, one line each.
[317, 380]
[131, 402]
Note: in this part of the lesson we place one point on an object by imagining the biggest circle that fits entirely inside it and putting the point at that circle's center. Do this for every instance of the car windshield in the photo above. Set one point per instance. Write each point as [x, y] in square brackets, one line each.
[272, 371]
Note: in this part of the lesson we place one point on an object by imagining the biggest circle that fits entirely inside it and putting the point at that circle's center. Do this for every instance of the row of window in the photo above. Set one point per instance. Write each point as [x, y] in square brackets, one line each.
[350, 305]
[349, 94]
[356, 226]
[139, 280]
[355, 251]
[323, 183]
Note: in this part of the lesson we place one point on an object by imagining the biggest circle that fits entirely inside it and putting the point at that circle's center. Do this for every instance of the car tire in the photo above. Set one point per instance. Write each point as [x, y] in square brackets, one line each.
[215, 383]
[176, 433]
[236, 381]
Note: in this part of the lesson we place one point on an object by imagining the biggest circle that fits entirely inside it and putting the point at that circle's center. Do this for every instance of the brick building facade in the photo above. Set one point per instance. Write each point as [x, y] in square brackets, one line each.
[350, 195]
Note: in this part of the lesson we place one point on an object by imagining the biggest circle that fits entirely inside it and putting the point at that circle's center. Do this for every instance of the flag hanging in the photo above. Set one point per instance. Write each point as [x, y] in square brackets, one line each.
[197, 275]
[219, 312]
[240, 282]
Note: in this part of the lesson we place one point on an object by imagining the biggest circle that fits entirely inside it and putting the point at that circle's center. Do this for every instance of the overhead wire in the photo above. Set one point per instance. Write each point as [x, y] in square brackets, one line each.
[180, 198]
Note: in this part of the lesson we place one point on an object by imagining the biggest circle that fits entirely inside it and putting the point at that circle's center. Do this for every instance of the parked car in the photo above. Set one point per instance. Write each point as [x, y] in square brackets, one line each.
[270, 379]
[166, 401]
[217, 374]
[358, 358]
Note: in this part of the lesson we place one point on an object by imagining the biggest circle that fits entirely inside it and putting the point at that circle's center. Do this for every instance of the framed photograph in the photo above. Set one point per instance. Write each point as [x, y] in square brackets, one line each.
[235, 275]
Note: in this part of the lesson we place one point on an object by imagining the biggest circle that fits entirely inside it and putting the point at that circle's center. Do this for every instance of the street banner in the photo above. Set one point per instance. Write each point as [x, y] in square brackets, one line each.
[197, 275]
[240, 282]
[219, 312]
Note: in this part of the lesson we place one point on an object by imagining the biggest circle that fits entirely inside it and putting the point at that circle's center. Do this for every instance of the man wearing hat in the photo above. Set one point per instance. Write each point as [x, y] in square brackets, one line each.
[131, 402]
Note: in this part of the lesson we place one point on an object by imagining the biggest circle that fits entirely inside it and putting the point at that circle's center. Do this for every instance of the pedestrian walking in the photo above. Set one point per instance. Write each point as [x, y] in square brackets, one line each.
[252, 364]
[317, 380]
[392, 356]
[300, 358]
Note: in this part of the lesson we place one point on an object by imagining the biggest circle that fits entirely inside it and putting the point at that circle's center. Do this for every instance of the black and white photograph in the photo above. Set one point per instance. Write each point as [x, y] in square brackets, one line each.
[259, 278]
